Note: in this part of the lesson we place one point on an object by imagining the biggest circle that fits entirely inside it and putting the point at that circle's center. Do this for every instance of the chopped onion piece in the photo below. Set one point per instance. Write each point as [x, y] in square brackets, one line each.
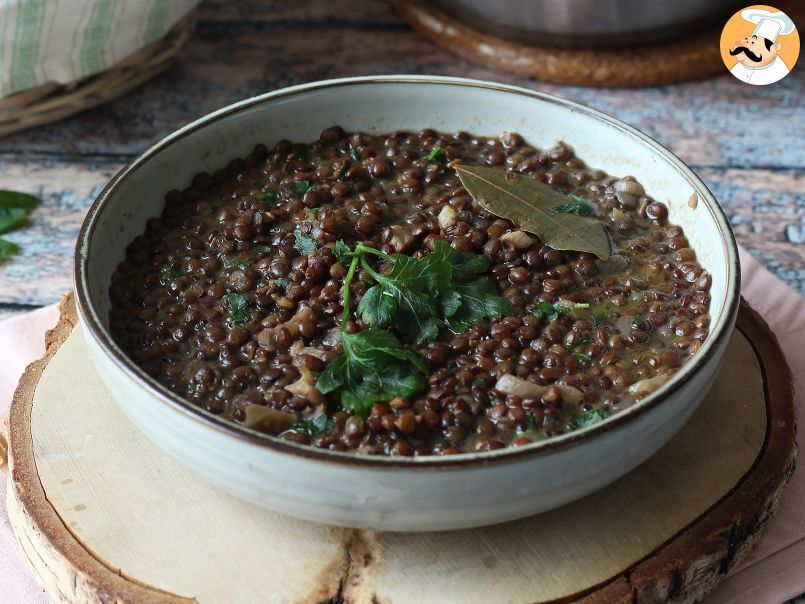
[268, 420]
[519, 239]
[305, 387]
[648, 385]
[447, 217]
[511, 384]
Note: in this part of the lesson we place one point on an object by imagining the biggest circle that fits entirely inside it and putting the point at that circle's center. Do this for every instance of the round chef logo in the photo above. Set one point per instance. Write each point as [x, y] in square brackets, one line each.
[760, 45]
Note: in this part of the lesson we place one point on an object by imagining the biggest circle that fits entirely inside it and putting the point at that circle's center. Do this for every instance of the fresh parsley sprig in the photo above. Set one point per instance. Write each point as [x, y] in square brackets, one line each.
[417, 298]
[375, 366]
[588, 418]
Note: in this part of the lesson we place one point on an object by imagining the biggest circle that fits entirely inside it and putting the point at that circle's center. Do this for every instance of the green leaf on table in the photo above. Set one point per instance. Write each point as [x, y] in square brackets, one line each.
[7, 250]
[530, 203]
[375, 367]
[12, 219]
[18, 200]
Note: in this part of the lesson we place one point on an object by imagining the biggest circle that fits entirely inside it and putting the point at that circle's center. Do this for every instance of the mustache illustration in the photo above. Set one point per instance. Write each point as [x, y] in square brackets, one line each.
[752, 56]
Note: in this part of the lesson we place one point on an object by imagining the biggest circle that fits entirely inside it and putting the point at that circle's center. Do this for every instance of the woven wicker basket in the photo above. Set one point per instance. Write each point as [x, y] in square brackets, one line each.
[51, 102]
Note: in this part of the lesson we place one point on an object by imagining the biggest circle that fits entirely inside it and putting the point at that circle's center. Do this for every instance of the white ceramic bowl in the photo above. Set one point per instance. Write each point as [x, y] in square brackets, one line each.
[412, 494]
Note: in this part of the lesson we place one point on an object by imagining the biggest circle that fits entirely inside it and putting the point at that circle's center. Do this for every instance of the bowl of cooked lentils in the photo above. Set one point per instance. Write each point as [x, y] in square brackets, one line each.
[407, 303]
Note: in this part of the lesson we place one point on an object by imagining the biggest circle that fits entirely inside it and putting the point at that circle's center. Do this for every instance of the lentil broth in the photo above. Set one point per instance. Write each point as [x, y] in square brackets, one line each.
[217, 302]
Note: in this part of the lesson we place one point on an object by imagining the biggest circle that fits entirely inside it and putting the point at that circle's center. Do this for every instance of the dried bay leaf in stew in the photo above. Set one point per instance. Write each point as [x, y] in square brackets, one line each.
[533, 205]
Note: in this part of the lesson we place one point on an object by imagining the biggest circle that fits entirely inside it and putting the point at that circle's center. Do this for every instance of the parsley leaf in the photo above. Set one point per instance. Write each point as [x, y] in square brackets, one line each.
[342, 252]
[262, 249]
[638, 320]
[312, 213]
[601, 317]
[530, 421]
[300, 187]
[238, 309]
[321, 424]
[471, 296]
[8, 249]
[374, 368]
[582, 357]
[578, 207]
[354, 153]
[282, 283]
[171, 273]
[548, 311]
[478, 383]
[270, 196]
[582, 342]
[304, 244]
[405, 296]
[435, 154]
[588, 418]
[239, 264]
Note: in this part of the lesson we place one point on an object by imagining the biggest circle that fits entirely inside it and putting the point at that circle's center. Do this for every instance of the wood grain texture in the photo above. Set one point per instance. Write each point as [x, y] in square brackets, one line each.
[747, 142]
[91, 543]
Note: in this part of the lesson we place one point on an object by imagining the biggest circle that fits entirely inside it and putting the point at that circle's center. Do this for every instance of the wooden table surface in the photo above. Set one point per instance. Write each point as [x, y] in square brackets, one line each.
[747, 143]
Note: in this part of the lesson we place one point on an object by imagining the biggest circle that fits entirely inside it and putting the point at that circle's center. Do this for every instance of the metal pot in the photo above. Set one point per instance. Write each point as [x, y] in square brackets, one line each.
[590, 23]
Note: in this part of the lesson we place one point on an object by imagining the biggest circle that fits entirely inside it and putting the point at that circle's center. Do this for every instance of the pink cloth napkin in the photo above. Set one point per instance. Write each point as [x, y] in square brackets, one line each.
[774, 573]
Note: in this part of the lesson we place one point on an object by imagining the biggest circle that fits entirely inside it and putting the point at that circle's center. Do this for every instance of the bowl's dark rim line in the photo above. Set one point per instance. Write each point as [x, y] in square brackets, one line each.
[154, 388]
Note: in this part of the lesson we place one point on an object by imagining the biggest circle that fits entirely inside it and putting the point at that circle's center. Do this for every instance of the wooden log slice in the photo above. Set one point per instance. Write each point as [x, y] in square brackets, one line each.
[104, 516]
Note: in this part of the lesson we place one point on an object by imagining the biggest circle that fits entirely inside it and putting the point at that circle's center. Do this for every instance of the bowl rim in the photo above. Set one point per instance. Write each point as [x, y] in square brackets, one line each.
[91, 322]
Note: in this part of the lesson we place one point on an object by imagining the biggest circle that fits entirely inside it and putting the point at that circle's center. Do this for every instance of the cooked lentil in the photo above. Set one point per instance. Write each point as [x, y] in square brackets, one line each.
[232, 297]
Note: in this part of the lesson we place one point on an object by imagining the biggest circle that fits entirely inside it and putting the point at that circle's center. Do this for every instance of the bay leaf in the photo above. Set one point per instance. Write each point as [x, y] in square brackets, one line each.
[530, 204]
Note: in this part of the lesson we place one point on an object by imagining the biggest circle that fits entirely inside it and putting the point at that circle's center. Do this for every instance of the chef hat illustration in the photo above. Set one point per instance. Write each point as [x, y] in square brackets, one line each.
[769, 25]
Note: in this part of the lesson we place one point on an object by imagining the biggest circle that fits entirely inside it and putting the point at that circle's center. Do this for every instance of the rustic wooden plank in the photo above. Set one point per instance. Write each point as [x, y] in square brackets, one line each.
[717, 122]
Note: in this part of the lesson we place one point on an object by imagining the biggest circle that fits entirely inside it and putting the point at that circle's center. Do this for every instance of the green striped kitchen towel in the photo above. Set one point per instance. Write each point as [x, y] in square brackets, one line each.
[64, 40]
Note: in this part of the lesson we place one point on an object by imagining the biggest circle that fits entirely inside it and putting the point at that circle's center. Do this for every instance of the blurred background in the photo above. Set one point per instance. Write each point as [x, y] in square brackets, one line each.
[746, 142]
